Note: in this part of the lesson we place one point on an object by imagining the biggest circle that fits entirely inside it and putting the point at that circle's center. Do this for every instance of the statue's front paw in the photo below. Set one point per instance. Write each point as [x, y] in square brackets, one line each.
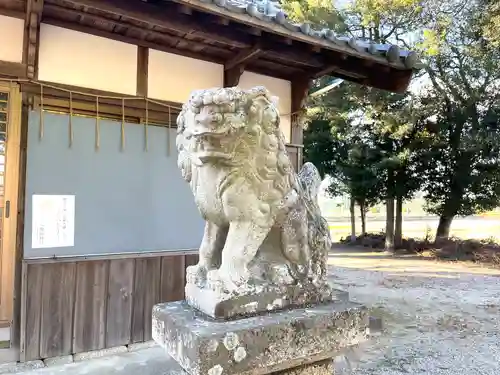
[214, 281]
[223, 282]
[196, 275]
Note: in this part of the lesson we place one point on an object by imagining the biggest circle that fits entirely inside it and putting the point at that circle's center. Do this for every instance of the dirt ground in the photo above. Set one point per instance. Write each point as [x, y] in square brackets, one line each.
[440, 318]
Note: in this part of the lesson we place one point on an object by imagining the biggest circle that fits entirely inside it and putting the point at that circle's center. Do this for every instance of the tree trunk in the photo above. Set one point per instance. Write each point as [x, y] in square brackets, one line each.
[362, 211]
[389, 216]
[443, 230]
[398, 232]
[389, 225]
[353, 220]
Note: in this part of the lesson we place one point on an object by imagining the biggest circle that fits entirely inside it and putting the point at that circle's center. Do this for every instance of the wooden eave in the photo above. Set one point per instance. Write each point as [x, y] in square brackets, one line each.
[221, 34]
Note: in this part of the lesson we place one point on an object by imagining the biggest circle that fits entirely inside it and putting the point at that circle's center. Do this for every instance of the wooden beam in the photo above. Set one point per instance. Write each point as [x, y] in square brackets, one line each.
[142, 71]
[221, 21]
[51, 10]
[12, 69]
[244, 57]
[316, 49]
[34, 9]
[126, 39]
[335, 69]
[191, 25]
[298, 55]
[326, 71]
[232, 76]
[151, 45]
[167, 17]
[184, 9]
[12, 13]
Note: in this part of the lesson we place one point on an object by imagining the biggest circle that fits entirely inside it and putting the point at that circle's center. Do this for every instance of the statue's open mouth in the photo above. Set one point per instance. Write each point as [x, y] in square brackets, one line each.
[209, 146]
[207, 157]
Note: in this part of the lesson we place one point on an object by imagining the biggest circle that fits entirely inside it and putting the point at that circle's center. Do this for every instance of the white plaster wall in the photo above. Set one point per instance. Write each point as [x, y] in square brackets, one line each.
[278, 87]
[12, 31]
[79, 59]
[173, 77]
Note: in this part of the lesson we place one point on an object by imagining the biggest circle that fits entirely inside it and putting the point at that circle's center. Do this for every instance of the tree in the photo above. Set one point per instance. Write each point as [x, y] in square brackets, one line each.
[398, 136]
[489, 20]
[321, 13]
[447, 143]
[464, 99]
[381, 110]
[358, 175]
[462, 93]
[462, 165]
[340, 153]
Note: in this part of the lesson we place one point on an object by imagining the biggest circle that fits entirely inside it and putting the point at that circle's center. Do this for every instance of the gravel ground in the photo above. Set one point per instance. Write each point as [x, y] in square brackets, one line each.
[439, 318]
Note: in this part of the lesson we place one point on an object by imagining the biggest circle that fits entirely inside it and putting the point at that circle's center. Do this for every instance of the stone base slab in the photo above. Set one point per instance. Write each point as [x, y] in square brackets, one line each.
[227, 307]
[261, 344]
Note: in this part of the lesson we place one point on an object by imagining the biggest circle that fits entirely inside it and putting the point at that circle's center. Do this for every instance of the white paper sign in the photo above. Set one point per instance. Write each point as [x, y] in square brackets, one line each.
[53, 221]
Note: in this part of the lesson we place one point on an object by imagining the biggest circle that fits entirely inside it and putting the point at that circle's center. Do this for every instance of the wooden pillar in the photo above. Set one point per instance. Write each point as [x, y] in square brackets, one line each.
[300, 89]
[234, 67]
[34, 9]
[142, 71]
[232, 76]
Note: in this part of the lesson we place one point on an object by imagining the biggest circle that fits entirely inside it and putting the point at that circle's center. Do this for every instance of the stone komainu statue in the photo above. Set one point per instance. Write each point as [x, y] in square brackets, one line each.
[263, 223]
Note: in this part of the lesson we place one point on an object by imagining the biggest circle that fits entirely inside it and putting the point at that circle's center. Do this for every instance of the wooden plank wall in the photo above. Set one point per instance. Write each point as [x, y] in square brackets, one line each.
[74, 307]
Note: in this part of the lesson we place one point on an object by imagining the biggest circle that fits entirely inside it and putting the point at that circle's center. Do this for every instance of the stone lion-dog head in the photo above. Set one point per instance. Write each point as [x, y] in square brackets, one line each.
[226, 126]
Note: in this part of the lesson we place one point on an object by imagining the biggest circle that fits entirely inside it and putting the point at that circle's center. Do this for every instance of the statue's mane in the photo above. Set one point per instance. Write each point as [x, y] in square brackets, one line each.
[271, 167]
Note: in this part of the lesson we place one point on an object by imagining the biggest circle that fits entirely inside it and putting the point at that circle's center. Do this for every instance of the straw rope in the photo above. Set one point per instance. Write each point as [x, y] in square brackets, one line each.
[115, 97]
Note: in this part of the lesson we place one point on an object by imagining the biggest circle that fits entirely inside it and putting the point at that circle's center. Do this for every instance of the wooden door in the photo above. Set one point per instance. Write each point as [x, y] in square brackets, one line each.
[10, 144]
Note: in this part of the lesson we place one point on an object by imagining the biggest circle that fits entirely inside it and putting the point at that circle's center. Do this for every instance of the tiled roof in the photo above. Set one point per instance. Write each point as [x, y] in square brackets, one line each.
[271, 12]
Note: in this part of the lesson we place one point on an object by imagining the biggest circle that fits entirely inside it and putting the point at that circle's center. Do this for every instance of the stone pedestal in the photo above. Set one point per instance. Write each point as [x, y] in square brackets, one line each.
[266, 299]
[297, 341]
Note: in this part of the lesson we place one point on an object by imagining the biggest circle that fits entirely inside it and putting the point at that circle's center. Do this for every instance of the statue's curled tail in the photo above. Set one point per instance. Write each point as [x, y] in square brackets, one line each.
[309, 181]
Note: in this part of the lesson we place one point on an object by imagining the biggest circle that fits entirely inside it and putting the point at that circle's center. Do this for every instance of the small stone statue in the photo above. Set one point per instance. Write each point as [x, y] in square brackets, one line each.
[265, 243]
[258, 301]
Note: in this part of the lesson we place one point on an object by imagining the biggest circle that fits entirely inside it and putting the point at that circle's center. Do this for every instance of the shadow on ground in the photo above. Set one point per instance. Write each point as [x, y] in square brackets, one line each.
[409, 264]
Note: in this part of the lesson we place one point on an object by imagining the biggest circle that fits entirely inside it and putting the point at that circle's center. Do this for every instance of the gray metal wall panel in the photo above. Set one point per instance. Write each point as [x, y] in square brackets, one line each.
[126, 201]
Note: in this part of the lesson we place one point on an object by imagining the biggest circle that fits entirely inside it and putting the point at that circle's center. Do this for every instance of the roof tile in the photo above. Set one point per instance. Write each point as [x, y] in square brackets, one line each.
[271, 11]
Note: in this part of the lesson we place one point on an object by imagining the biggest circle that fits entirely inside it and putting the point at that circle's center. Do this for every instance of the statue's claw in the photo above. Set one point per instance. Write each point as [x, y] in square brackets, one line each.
[225, 281]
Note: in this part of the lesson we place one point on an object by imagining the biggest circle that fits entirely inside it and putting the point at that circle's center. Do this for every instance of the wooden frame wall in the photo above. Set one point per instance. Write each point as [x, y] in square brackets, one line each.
[9, 251]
